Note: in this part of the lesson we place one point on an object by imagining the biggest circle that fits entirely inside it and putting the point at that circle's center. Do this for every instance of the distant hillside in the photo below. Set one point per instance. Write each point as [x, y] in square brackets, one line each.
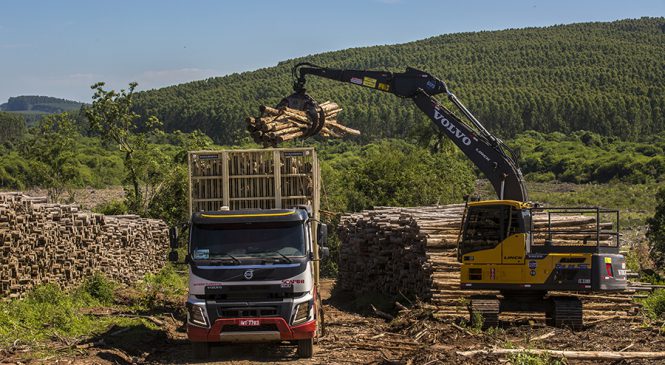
[603, 77]
[33, 107]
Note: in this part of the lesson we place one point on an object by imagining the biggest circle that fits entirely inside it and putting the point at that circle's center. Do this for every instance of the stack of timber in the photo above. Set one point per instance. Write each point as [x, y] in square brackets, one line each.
[284, 124]
[412, 252]
[60, 244]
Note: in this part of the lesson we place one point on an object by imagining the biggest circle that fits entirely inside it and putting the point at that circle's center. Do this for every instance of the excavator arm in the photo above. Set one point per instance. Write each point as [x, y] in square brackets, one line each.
[492, 157]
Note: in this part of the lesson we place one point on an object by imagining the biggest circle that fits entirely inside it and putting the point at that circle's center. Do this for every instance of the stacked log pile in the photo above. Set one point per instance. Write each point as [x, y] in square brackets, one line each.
[58, 243]
[284, 124]
[412, 251]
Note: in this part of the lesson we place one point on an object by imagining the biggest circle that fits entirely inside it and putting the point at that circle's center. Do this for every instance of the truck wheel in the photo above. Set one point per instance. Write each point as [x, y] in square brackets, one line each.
[201, 350]
[306, 348]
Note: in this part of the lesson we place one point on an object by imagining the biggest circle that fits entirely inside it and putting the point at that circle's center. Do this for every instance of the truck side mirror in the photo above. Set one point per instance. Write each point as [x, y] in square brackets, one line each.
[324, 252]
[322, 234]
[173, 237]
[173, 256]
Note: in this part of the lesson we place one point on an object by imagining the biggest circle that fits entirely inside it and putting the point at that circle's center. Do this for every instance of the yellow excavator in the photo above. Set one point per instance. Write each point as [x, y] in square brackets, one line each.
[501, 246]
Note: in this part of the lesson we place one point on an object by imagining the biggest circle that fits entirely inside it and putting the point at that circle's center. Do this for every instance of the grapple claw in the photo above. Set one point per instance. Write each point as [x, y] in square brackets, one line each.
[303, 102]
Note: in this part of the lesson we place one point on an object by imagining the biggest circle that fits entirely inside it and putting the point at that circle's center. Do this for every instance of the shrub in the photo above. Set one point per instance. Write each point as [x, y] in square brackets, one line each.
[540, 176]
[654, 305]
[656, 232]
[527, 358]
[99, 287]
[114, 207]
[167, 287]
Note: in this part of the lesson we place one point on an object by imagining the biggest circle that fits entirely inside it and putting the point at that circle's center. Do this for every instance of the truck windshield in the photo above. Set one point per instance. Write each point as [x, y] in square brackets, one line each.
[218, 241]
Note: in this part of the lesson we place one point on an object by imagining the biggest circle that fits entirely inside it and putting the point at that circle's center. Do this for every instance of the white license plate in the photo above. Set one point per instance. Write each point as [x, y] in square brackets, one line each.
[249, 322]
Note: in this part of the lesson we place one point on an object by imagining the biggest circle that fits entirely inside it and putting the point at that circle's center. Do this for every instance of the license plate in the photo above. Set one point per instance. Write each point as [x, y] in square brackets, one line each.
[248, 322]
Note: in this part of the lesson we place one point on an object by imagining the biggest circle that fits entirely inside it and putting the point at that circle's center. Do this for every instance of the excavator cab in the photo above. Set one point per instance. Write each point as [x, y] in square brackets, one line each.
[494, 232]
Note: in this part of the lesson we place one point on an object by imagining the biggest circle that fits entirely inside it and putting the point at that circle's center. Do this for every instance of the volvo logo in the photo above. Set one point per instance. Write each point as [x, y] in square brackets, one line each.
[249, 274]
[454, 131]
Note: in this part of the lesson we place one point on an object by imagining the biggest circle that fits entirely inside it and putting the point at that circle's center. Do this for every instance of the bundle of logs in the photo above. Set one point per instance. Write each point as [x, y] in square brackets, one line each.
[58, 243]
[412, 252]
[284, 124]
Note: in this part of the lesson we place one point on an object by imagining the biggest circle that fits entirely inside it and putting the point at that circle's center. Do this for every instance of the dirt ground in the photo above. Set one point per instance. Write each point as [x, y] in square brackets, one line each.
[88, 198]
[415, 336]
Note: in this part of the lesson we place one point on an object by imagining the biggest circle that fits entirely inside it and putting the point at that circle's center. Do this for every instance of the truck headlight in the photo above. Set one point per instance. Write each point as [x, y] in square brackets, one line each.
[302, 312]
[196, 315]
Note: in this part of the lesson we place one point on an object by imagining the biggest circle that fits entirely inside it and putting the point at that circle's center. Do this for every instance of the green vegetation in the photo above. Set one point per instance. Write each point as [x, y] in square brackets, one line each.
[111, 117]
[49, 313]
[99, 288]
[33, 108]
[391, 172]
[158, 291]
[656, 232]
[635, 201]
[84, 162]
[583, 157]
[654, 305]
[604, 77]
[12, 127]
[527, 358]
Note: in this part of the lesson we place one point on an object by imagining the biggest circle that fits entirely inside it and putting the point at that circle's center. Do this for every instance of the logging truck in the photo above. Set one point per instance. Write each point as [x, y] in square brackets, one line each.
[253, 248]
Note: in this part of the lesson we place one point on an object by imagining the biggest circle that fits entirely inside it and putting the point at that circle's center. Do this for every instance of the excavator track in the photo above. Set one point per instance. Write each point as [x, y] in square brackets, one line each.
[565, 312]
[486, 309]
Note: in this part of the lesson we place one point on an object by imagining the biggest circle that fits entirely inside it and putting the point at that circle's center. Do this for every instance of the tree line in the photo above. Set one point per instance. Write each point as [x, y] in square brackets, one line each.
[606, 78]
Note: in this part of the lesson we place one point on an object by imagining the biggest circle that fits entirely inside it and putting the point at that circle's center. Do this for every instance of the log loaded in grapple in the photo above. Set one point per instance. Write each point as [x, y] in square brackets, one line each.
[280, 124]
[297, 116]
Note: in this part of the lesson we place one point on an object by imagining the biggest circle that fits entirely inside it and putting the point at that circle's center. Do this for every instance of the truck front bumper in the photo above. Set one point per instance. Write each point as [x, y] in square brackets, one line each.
[268, 329]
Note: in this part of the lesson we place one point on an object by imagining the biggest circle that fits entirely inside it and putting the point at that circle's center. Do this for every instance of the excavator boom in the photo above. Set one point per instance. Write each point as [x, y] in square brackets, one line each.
[492, 157]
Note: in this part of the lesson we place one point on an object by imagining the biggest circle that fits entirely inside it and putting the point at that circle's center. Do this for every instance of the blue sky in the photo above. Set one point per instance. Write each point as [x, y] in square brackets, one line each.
[59, 48]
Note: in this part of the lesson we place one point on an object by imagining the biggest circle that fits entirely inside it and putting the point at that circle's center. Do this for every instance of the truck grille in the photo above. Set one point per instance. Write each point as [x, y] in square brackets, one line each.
[236, 328]
[247, 312]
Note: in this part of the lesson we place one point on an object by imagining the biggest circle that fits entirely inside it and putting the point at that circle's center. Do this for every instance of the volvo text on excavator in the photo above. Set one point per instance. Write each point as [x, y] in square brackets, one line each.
[534, 265]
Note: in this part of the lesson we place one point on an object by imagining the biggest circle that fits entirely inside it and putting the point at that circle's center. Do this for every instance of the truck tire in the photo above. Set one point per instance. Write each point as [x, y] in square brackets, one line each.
[201, 350]
[306, 348]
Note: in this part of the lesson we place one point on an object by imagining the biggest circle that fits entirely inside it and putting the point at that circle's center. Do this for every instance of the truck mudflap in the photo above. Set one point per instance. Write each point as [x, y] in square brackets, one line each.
[251, 330]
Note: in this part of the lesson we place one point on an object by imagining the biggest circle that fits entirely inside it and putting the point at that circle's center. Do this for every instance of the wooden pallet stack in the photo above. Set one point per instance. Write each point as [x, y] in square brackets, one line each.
[412, 251]
[58, 243]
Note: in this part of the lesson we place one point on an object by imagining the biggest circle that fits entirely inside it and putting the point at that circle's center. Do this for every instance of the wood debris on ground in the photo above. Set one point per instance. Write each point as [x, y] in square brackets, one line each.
[276, 125]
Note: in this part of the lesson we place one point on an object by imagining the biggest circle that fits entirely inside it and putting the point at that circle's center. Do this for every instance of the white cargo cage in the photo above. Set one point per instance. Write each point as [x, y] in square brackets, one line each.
[273, 178]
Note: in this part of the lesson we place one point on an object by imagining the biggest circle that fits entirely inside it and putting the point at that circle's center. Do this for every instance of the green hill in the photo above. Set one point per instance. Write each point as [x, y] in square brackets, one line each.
[33, 107]
[603, 77]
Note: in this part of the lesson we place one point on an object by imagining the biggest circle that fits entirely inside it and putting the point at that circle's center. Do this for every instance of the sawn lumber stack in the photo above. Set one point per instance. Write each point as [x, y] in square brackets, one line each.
[284, 124]
[58, 243]
[412, 251]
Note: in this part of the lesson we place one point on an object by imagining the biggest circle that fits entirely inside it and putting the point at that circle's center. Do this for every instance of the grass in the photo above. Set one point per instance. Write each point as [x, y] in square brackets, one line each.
[527, 358]
[48, 314]
[653, 306]
[636, 202]
[165, 289]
